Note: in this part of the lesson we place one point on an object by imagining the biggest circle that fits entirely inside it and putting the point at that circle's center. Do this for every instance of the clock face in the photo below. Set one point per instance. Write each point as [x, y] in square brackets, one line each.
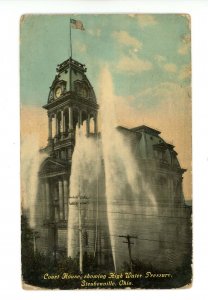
[58, 92]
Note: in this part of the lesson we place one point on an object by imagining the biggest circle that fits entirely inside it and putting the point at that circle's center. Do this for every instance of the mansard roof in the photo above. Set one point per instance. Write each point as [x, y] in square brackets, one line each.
[147, 144]
[73, 83]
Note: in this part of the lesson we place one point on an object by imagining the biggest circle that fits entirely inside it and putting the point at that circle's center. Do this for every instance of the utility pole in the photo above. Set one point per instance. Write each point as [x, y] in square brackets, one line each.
[78, 203]
[35, 237]
[128, 238]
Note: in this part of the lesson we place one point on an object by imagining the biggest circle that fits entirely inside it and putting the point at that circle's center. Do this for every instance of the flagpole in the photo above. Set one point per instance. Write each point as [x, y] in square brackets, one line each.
[70, 73]
[77, 24]
[70, 39]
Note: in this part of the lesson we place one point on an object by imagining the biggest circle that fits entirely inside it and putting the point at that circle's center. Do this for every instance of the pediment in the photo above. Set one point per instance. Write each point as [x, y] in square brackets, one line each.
[51, 165]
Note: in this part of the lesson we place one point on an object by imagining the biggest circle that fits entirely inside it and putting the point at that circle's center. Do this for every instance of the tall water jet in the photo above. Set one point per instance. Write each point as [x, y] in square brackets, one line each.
[29, 176]
[85, 170]
[125, 187]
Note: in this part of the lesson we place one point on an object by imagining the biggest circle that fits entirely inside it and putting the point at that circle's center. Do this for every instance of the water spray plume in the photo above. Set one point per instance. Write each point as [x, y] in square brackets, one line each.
[84, 171]
[29, 176]
[123, 178]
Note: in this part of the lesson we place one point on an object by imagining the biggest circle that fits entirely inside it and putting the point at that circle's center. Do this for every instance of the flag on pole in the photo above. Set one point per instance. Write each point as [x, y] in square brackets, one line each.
[76, 24]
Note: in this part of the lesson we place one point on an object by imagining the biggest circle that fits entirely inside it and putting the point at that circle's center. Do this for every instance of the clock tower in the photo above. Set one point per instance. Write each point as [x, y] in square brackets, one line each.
[71, 103]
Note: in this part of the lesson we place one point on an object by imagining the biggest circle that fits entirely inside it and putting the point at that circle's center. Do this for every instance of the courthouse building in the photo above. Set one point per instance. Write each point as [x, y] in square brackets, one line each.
[164, 240]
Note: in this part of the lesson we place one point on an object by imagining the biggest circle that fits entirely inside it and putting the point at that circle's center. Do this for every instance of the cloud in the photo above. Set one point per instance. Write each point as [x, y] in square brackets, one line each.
[170, 68]
[94, 32]
[165, 92]
[82, 48]
[133, 65]
[159, 58]
[185, 46]
[185, 72]
[167, 67]
[144, 20]
[183, 49]
[162, 62]
[123, 37]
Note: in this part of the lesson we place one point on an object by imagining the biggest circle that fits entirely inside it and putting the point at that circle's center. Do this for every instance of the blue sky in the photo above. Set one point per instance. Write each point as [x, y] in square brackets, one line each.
[140, 50]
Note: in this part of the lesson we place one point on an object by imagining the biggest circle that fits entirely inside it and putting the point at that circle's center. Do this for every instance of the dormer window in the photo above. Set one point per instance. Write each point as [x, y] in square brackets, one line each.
[82, 89]
[161, 151]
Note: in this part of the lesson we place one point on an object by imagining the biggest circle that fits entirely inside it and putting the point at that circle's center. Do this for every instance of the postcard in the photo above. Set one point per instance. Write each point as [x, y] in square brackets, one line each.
[106, 187]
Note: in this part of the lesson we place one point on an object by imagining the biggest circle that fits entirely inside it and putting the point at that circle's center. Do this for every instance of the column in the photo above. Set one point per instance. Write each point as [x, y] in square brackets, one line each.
[49, 127]
[61, 200]
[80, 117]
[55, 213]
[95, 124]
[88, 125]
[79, 120]
[43, 200]
[56, 118]
[70, 118]
[62, 122]
[66, 199]
[53, 125]
[47, 197]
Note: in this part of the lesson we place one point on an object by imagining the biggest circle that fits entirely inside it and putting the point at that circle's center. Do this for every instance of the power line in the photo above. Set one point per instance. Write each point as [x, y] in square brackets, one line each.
[159, 206]
[138, 214]
[135, 201]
